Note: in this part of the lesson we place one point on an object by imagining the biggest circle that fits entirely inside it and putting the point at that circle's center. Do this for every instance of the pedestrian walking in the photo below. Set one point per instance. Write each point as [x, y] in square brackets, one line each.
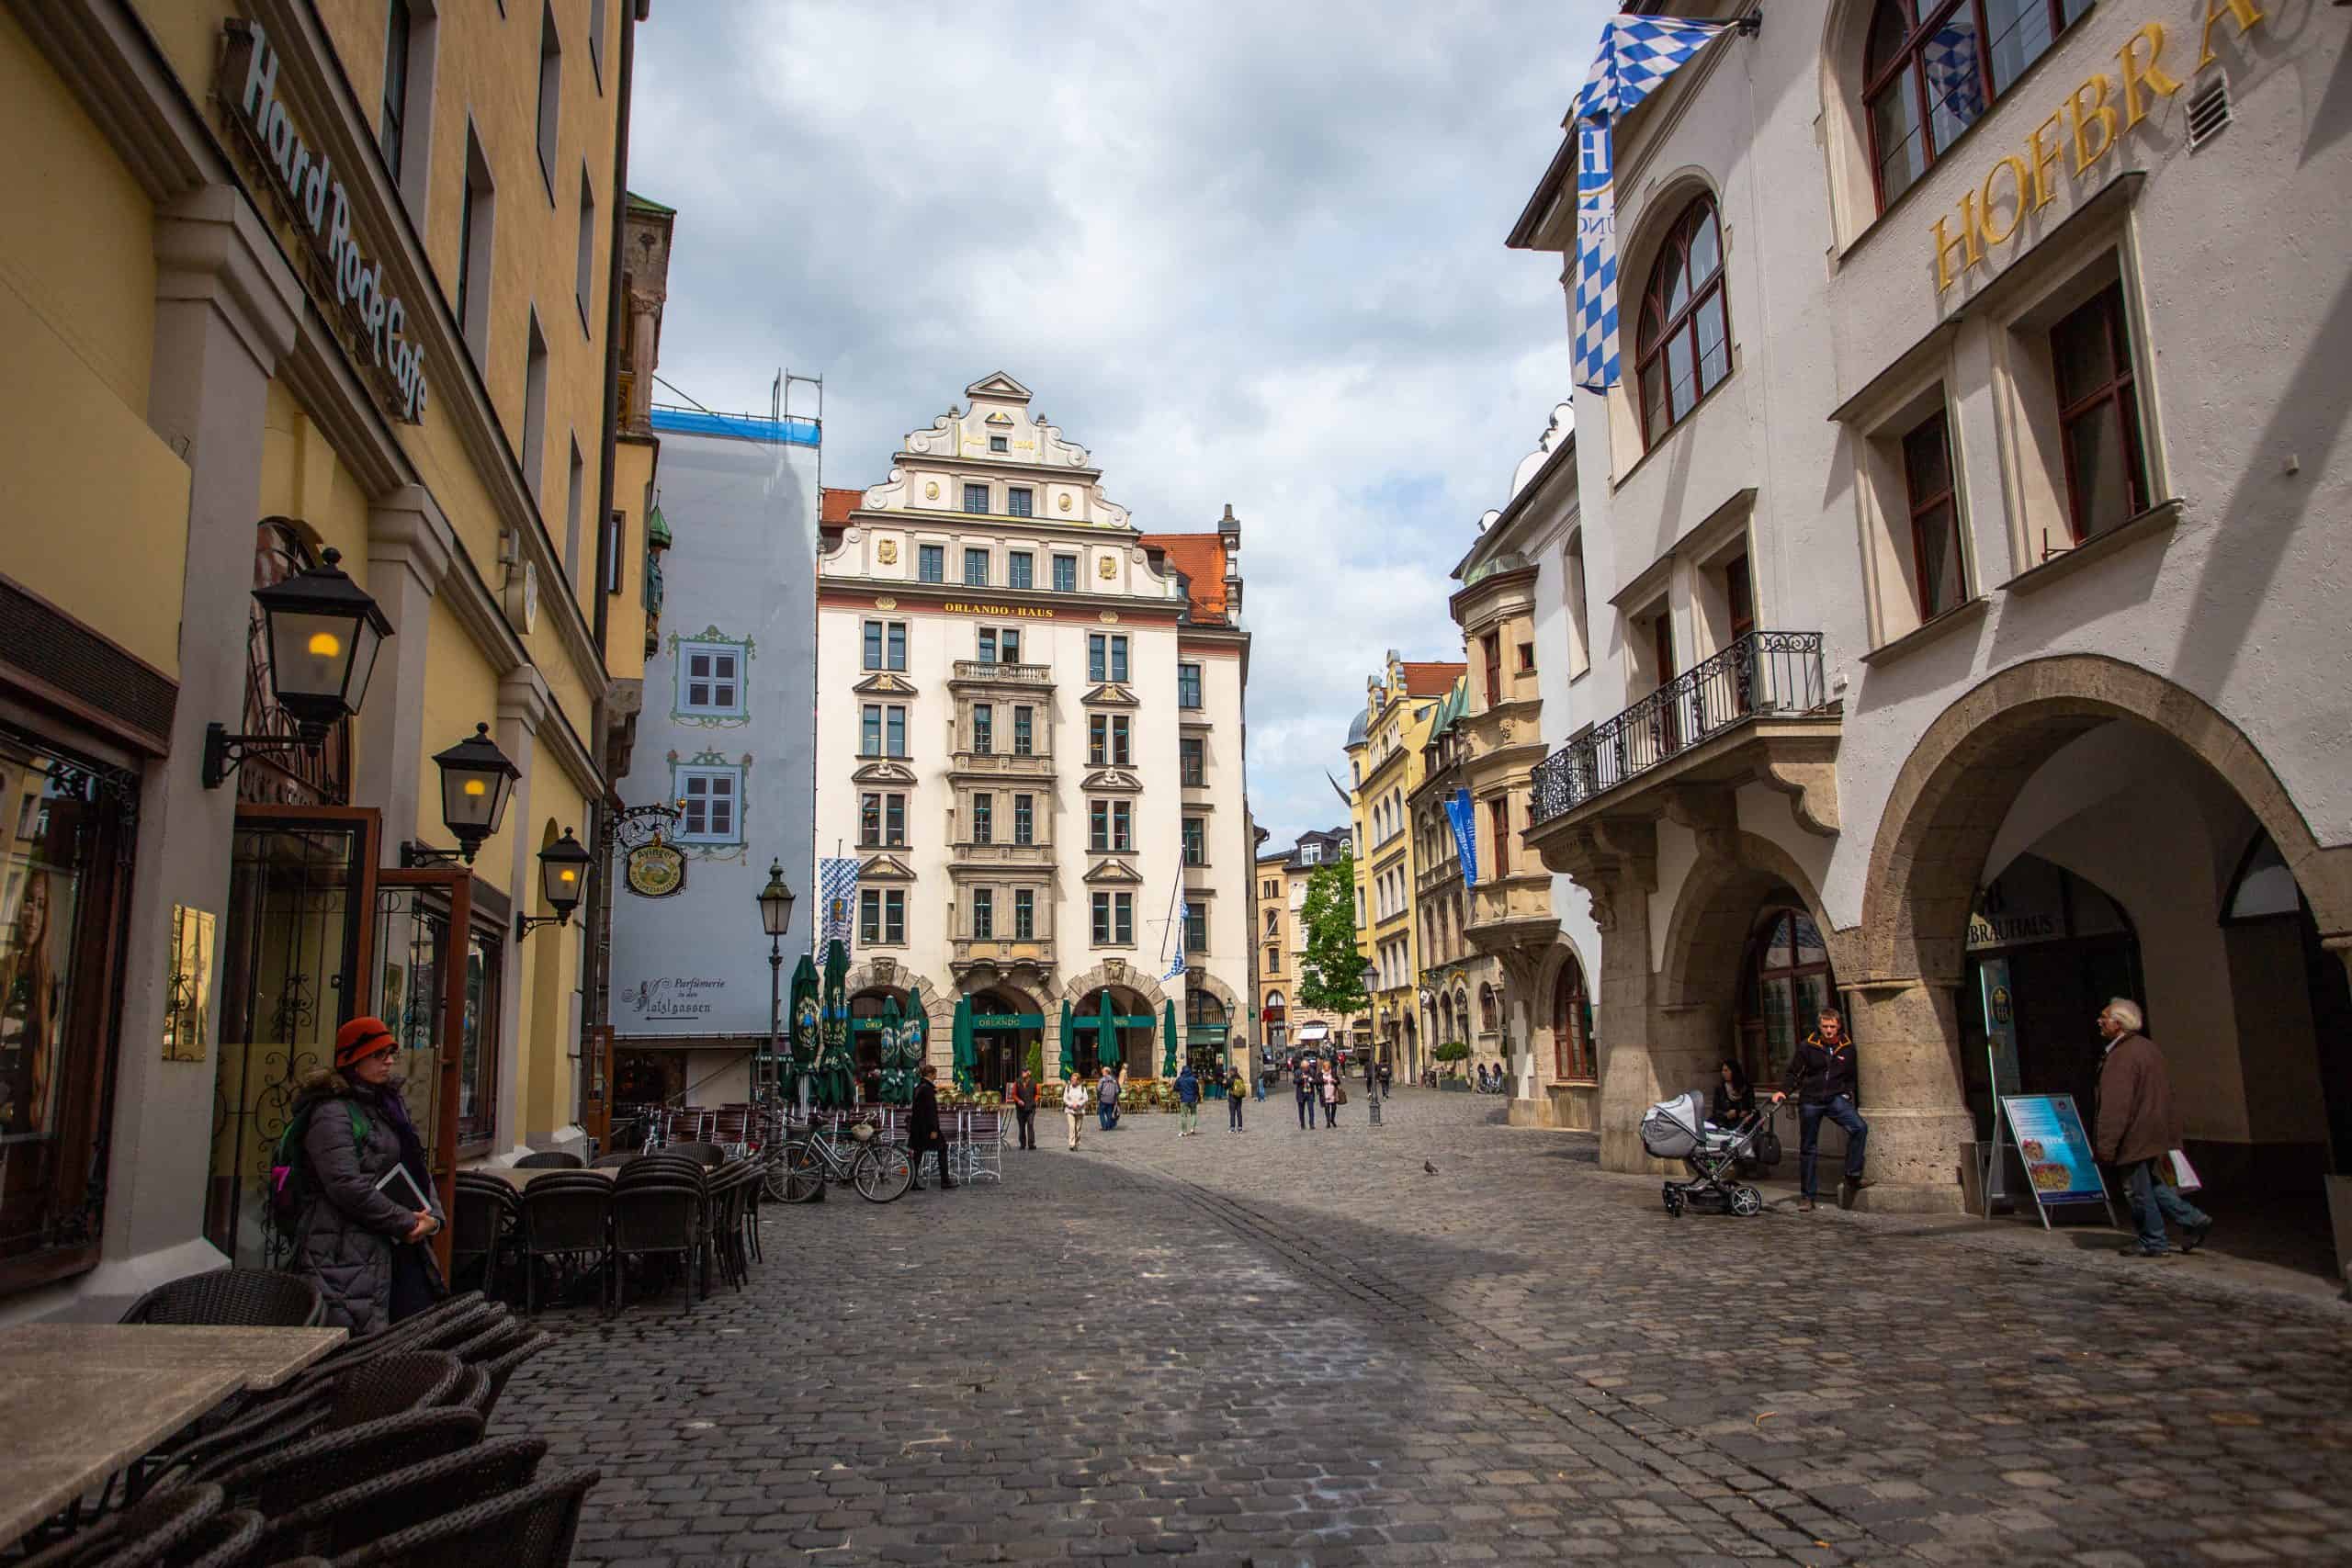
[923, 1134]
[2138, 1130]
[1329, 1089]
[1258, 1085]
[1024, 1109]
[1187, 1102]
[1828, 1088]
[1107, 1096]
[1076, 1096]
[1233, 1099]
[365, 1250]
[1386, 1072]
[1303, 1089]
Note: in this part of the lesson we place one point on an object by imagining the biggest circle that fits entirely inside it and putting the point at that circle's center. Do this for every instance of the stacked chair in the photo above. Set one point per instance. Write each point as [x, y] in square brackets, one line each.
[374, 1456]
[488, 1227]
[566, 1222]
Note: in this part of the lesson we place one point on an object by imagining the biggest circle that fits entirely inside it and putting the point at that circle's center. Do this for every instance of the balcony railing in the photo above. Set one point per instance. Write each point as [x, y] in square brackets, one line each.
[1010, 764]
[1763, 673]
[990, 672]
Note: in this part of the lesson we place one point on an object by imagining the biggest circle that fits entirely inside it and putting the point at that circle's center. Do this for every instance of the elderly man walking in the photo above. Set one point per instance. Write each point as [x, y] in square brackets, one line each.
[2138, 1131]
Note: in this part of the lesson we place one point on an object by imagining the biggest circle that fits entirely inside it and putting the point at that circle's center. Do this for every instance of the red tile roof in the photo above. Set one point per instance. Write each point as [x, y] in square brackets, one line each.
[838, 506]
[1201, 557]
[1431, 679]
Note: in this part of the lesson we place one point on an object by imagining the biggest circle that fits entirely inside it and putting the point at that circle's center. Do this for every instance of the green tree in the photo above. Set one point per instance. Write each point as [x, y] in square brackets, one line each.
[1330, 976]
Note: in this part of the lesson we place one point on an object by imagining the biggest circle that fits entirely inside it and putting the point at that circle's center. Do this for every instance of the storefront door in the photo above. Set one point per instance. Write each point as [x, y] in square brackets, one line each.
[423, 954]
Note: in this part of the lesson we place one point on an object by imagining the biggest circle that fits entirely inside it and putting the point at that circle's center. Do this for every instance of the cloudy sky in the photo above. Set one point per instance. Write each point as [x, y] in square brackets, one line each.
[1244, 250]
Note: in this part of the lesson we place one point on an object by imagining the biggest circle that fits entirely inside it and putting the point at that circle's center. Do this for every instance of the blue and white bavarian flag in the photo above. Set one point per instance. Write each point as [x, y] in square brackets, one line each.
[1184, 917]
[1637, 54]
[837, 885]
[1463, 815]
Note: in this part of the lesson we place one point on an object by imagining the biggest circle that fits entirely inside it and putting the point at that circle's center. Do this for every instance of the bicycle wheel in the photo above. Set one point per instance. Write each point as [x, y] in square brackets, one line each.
[800, 1176]
[883, 1174]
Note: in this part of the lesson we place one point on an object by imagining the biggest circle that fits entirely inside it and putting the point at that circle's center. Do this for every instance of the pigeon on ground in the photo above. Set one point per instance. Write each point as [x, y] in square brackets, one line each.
[1428, 1170]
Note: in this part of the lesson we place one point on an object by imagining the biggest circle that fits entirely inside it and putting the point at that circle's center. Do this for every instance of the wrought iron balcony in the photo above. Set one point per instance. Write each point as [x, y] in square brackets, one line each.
[1762, 673]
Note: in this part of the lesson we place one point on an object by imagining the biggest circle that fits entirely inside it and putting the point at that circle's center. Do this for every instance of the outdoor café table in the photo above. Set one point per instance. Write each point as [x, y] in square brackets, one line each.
[78, 1402]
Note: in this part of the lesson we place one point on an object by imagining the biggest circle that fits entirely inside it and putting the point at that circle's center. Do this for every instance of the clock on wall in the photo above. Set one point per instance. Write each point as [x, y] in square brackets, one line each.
[523, 596]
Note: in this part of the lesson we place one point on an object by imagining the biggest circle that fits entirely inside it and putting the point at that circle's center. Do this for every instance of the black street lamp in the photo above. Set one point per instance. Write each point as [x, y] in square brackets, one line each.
[1371, 1051]
[477, 780]
[324, 633]
[563, 867]
[776, 902]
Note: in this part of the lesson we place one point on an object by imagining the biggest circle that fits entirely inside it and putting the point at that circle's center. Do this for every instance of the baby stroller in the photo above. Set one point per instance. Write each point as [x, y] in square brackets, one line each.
[1679, 1129]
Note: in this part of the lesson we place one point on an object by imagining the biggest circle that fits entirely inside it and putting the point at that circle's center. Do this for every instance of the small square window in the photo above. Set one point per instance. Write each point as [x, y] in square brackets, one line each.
[711, 805]
[710, 683]
[1000, 443]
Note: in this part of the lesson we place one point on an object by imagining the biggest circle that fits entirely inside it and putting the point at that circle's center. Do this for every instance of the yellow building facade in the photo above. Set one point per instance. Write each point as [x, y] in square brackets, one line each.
[1386, 760]
[292, 285]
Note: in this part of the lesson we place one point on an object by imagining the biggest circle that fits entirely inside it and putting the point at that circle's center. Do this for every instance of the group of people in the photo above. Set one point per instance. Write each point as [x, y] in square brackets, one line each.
[1102, 1097]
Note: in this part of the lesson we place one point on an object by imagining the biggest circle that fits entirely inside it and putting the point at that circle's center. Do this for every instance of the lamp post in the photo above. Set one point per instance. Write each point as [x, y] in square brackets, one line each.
[775, 917]
[1371, 1070]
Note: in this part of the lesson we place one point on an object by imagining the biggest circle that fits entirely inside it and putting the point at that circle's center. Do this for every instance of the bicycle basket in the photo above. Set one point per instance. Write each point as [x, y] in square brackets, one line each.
[863, 1133]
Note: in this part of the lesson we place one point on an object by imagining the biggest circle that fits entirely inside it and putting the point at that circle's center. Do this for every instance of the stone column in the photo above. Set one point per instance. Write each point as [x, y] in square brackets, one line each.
[522, 705]
[1908, 1043]
[227, 307]
[409, 549]
[1614, 861]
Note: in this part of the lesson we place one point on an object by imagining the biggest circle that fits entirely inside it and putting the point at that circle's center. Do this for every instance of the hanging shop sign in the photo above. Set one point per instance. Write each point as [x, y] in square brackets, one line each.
[2094, 118]
[654, 870]
[316, 203]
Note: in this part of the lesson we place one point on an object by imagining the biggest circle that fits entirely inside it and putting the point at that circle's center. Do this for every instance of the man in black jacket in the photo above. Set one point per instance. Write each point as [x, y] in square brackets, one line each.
[1822, 1072]
[923, 1136]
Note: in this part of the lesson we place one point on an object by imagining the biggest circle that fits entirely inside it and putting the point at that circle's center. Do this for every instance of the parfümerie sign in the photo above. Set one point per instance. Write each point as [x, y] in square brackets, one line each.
[316, 203]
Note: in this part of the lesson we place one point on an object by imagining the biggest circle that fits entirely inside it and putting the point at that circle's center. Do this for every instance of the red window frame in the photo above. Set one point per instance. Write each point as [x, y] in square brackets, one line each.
[2080, 403]
[1908, 59]
[1923, 505]
[1659, 327]
[1571, 1042]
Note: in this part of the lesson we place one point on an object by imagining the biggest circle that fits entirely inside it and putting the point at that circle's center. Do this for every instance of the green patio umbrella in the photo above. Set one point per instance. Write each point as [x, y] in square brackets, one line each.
[1107, 1053]
[1168, 1030]
[835, 1069]
[1069, 1052]
[893, 1068]
[964, 1053]
[915, 1039]
[803, 1023]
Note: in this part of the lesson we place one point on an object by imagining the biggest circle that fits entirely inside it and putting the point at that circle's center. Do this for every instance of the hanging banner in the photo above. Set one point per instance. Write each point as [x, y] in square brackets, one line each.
[837, 885]
[1637, 54]
[1463, 815]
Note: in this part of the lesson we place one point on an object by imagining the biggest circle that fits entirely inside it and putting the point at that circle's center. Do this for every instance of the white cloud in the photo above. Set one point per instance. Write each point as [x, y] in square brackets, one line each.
[1243, 253]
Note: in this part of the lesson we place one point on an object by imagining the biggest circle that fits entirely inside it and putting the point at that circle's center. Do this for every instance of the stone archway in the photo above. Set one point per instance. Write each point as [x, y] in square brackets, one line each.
[895, 975]
[1122, 974]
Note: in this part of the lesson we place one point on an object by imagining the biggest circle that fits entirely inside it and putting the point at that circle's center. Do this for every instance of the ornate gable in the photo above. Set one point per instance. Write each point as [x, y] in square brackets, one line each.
[1110, 695]
[998, 385]
[1112, 780]
[896, 773]
[884, 868]
[1113, 870]
[882, 684]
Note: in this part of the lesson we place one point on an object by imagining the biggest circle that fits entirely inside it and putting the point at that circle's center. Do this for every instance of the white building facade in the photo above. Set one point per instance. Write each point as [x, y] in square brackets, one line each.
[1957, 558]
[1030, 738]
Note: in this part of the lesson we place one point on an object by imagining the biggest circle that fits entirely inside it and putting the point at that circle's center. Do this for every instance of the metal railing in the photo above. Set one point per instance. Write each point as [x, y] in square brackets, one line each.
[1763, 673]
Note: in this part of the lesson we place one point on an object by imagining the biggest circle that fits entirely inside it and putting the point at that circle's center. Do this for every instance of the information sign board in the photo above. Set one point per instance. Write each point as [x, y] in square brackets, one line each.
[2059, 1165]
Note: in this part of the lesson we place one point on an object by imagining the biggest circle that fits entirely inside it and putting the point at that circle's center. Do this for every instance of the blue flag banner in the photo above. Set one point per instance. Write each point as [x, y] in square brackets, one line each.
[1637, 54]
[837, 885]
[1459, 811]
[1183, 915]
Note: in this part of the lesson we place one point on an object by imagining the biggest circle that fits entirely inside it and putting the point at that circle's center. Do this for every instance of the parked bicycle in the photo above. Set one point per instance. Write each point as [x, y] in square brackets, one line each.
[880, 1171]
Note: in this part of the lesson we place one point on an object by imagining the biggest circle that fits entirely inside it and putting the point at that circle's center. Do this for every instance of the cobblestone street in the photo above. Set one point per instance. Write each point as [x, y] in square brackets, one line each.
[1293, 1348]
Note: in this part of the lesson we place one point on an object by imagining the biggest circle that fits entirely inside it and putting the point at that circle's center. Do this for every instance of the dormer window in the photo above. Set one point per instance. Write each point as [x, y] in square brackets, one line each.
[1000, 443]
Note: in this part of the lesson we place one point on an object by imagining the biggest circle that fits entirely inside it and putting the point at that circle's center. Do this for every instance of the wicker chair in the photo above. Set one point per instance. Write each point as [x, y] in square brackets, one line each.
[488, 1213]
[223, 1540]
[710, 1155]
[656, 1219]
[567, 1222]
[551, 1160]
[348, 1519]
[372, 1390]
[532, 1528]
[300, 1472]
[473, 1393]
[612, 1162]
[501, 1370]
[159, 1523]
[238, 1298]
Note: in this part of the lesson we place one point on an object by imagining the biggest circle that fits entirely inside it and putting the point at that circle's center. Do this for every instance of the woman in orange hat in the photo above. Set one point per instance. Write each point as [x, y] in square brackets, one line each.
[365, 1248]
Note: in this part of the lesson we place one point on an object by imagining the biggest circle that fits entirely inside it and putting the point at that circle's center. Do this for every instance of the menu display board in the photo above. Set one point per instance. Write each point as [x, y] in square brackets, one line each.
[2059, 1165]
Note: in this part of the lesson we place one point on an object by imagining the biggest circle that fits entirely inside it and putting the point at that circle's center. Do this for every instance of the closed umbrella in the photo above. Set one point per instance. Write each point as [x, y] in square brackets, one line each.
[835, 1076]
[1108, 1053]
[1168, 1029]
[893, 1062]
[913, 1043]
[964, 1053]
[804, 1020]
[1069, 1052]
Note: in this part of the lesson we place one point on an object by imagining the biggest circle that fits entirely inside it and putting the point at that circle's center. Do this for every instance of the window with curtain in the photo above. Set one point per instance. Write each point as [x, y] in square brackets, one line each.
[1927, 67]
[1935, 515]
[2099, 415]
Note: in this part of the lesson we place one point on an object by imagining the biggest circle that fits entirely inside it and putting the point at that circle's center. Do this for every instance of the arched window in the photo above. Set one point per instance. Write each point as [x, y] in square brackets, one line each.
[1784, 983]
[1683, 350]
[1926, 68]
[1444, 1019]
[1274, 1001]
[1487, 1021]
[1571, 1023]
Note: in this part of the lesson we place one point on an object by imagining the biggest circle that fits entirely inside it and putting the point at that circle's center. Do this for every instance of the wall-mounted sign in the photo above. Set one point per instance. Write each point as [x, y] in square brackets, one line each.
[2087, 126]
[673, 996]
[315, 202]
[655, 870]
[1016, 612]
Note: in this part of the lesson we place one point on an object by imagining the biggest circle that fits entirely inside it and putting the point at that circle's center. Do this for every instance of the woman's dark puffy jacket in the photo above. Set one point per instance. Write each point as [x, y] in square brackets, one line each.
[345, 1233]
